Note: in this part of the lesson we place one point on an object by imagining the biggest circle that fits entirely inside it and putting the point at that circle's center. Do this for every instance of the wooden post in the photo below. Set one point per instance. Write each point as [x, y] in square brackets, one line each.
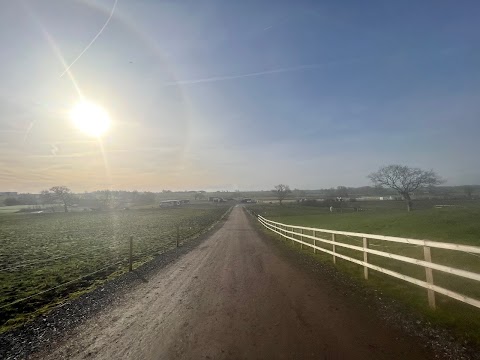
[178, 234]
[130, 255]
[365, 258]
[301, 238]
[293, 236]
[333, 246]
[429, 274]
[314, 241]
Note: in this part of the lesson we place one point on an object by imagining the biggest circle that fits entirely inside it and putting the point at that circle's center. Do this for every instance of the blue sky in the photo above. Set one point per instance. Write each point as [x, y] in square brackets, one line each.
[238, 94]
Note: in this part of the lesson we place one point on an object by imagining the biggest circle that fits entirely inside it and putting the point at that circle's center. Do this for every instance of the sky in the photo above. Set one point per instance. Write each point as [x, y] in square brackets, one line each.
[226, 95]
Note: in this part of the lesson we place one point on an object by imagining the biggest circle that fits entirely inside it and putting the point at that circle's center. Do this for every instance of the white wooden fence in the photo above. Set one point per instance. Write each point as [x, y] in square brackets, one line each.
[299, 233]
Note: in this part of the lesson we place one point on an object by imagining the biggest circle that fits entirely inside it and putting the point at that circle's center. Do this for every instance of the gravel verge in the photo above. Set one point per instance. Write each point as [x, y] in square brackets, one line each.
[47, 331]
[440, 341]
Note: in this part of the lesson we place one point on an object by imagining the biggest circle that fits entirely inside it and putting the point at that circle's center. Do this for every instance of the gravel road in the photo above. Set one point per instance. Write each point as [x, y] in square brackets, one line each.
[236, 297]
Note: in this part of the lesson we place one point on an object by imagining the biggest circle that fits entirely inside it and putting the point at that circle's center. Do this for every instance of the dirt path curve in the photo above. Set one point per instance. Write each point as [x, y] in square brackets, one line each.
[234, 297]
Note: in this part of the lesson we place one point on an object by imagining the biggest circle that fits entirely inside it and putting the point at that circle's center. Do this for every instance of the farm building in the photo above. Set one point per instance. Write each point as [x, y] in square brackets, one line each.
[168, 203]
[382, 198]
[248, 201]
[216, 199]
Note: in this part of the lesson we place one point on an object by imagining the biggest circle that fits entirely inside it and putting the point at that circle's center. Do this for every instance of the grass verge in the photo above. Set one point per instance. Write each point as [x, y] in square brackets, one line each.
[449, 225]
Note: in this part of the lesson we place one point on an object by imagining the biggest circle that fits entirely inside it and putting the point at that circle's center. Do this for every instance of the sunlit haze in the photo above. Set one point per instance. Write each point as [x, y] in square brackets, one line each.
[236, 94]
[90, 118]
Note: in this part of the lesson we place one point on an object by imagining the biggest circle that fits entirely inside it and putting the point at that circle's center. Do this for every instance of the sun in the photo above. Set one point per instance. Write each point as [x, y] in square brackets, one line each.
[90, 118]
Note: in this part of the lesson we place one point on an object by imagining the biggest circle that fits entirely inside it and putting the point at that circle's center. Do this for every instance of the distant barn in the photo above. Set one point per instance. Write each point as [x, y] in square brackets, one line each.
[248, 201]
[169, 203]
[216, 199]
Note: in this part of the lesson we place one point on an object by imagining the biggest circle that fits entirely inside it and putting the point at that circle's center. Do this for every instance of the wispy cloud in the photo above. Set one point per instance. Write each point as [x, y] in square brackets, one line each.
[73, 155]
[297, 68]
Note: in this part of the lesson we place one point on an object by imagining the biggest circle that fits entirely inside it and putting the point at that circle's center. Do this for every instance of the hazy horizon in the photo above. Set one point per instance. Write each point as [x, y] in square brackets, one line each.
[238, 95]
[219, 190]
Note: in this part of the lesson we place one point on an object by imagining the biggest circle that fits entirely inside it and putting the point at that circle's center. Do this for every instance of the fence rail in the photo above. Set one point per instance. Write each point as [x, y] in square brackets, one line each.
[299, 233]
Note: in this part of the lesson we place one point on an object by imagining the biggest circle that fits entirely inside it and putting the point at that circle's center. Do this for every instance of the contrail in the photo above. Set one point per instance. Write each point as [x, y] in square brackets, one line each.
[258, 73]
[93, 40]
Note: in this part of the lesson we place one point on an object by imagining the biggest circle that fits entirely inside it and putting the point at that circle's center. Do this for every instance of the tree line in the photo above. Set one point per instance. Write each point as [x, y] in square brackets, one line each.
[390, 179]
[63, 196]
[402, 179]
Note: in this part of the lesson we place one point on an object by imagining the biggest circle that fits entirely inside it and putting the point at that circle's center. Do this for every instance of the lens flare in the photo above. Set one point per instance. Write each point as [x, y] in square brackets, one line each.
[90, 118]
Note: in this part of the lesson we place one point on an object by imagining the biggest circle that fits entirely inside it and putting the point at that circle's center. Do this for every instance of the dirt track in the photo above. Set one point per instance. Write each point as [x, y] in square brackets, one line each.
[234, 297]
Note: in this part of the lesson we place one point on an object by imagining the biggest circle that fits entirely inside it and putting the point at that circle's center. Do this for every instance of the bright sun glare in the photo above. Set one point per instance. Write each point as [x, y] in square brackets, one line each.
[90, 118]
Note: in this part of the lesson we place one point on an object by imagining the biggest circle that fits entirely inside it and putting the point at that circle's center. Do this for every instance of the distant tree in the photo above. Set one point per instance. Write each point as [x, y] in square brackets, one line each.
[134, 196]
[342, 191]
[330, 192]
[468, 189]
[147, 198]
[299, 193]
[62, 194]
[405, 180]
[11, 201]
[46, 198]
[281, 191]
[199, 195]
[27, 199]
[106, 198]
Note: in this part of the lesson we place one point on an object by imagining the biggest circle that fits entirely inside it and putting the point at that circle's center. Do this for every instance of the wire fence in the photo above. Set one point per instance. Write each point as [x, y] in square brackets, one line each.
[174, 239]
[61, 285]
[35, 262]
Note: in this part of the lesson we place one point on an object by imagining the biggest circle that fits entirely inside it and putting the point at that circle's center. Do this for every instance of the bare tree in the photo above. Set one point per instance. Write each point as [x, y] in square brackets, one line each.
[405, 180]
[281, 191]
[62, 194]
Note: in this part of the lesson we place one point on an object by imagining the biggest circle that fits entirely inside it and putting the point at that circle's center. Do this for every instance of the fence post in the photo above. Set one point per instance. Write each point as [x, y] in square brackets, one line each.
[130, 255]
[293, 236]
[314, 233]
[429, 274]
[178, 235]
[301, 238]
[333, 246]
[365, 258]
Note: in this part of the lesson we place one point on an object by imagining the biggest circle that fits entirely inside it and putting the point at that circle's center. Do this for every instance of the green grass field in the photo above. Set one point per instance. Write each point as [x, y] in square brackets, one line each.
[11, 209]
[455, 225]
[41, 251]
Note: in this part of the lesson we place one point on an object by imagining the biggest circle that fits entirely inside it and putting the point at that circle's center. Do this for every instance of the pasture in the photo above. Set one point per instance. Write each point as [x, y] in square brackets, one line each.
[451, 224]
[39, 252]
